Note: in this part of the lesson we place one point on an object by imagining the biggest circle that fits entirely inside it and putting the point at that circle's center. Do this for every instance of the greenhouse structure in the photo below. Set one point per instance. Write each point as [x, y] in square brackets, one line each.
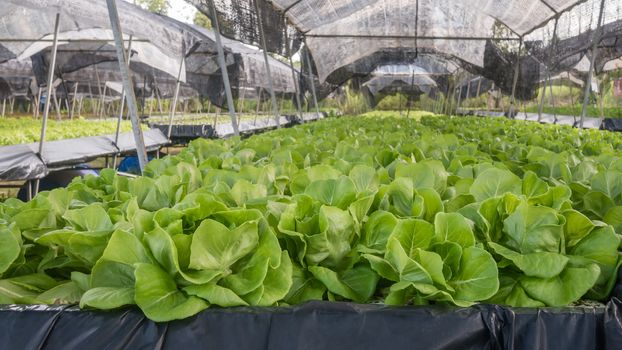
[311, 174]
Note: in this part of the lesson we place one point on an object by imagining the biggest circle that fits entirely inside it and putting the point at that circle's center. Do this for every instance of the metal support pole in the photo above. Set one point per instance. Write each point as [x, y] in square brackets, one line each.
[468, 95]
[543, 97]
[552, 99]
[601, 102]
[223, 68]
[73, 101]
[127, 83]
[102, 104]
[588, 83]
[122, 106]
[173, 108]
[479, 88]
[50, 81]
[291, 64]
[459, 100]
[574, 117]
[412, 88]
[38, 102]
[80, 106]
[257, 107]
[275, 107]
[57, 105]
[311, 79]
[515, 82]
[4, 108]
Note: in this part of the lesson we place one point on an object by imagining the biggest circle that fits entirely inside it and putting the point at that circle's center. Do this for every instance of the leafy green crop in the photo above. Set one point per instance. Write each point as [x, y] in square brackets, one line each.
[456, 211]
[15, 131]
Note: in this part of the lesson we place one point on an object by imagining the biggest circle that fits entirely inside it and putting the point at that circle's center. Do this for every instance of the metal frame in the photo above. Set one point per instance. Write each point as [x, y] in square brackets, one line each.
[588, 83]
[223, 68]
[50, 81]
[127, 83]
[121, 107]
[311, 78]
[275, 107]
[515, 81]
[291, 64]
[173, 109]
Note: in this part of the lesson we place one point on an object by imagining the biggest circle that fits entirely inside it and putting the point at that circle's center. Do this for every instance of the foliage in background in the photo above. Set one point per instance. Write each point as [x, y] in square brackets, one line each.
[394, 102]
[202, 20]
[160, 7]
[26, 130]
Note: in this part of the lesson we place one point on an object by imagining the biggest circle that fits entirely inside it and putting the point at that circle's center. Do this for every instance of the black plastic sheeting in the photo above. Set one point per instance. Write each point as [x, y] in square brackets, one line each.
[21, 162]
[612, 124]
[186, 133]
[317, 325]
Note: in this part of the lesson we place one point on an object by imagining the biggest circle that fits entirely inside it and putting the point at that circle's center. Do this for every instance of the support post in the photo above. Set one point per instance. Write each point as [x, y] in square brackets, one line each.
[223, 68]
[122, 105]
[291, 65]
[38, 102]
[412, 88]
[574, 117]
[50, 81]
[102, 105]
[552, 99]
[80, 106]
[73, 101]
[257, 107]
[4, 108]
[311, 79]
[275, 107]
[515, 82]
[57, 105]
[173, 108]
[127, 83]
[543, 97]
[588, 83]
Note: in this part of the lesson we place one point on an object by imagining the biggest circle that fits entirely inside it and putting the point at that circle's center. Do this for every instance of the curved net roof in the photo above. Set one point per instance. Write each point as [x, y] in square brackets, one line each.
[347, 38]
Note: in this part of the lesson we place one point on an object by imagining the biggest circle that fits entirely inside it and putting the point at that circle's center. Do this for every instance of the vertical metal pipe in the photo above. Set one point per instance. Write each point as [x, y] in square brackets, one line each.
[173, 108]
[46, 111]
[223, 68]
[38, 102]
[102, 106]
[56, 104]
[515, 82]
[571, 97]
[552, 99]
[122, 105]
[588, 83]
[80, 106]
[257, 107]
[311, 79]
[73, 101]
[543, 97]
[291, 64]
[127, 83]
[275, 107]
[479, 88]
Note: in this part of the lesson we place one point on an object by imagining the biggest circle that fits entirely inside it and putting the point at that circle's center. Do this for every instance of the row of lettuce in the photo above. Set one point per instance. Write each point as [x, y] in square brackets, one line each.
[456, 211]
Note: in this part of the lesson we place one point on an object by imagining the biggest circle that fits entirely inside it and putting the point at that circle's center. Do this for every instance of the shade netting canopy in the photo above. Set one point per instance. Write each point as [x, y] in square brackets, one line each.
[482, 35]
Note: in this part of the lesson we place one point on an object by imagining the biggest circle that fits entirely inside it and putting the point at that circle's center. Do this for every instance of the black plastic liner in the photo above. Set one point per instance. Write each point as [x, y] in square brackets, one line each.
[317, 325]
[612, 124]
[187, 133]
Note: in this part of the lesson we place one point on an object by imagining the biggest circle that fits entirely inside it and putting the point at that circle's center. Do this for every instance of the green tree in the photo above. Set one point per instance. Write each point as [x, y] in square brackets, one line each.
[160, 7]
[202, 20]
